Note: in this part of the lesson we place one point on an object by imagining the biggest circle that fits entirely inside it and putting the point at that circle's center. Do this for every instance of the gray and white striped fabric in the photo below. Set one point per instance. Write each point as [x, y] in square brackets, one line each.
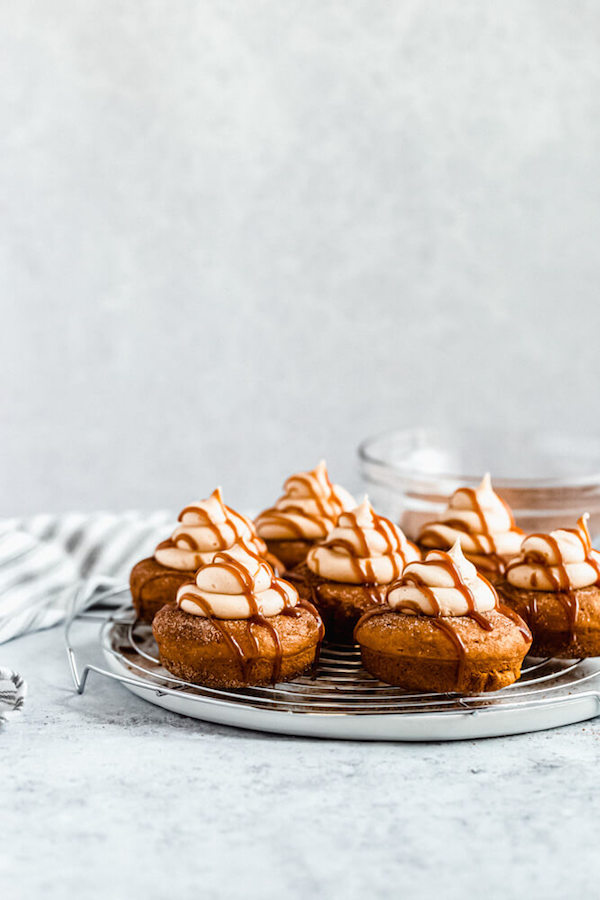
[47, 560]
[12, 693]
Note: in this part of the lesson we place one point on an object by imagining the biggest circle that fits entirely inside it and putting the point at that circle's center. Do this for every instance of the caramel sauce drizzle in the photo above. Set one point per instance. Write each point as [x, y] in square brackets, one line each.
[245, 580]
[516, 618]
[329, 507]
[497, 564]
[280, 517]
[560, 582]
[191, 542]
[361, 564]
[205, 520]
[223, 542]
[332, 498]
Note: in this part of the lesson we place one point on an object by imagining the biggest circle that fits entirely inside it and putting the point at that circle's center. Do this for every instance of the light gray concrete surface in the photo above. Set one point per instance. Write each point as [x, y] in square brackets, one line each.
[107, 796]
[237, 237]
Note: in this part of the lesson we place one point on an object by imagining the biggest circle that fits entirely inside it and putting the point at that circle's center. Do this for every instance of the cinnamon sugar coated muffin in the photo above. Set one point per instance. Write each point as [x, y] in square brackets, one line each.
[237, 624]
[554, 585]
[443, 630]
[206, 527]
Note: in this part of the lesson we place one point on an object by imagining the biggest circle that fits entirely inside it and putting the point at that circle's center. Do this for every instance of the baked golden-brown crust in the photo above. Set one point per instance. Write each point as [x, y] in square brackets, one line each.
[195, 649]
[565, 625]
[414, 653]
[340, 605]
[291, 553]
[153, 585]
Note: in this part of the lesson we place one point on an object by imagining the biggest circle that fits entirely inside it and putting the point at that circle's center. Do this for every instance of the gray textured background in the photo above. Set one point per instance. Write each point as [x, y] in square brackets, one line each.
[237, 237]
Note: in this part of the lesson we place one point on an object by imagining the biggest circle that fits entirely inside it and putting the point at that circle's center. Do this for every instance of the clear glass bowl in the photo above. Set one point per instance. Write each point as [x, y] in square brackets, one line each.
[548, 478]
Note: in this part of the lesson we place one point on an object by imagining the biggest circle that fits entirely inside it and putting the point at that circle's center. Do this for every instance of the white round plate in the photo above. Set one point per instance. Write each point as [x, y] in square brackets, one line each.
[343, 701]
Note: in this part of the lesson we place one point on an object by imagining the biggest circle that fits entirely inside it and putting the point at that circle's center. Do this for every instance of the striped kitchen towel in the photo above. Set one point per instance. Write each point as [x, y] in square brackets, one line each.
[48, 560]
[12, 693]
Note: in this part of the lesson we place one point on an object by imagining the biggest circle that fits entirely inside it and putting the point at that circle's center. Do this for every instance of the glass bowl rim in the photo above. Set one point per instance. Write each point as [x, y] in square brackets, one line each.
[366, 456]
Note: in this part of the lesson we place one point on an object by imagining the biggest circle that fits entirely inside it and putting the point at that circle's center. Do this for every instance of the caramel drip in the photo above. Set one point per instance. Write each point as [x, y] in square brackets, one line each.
[570, 604]
[280, 517]
[481, 620]
[314, 495]
[187, 539]
[359, 535]
[471, 493]
[379, 526]
[411, 606]
[584, 536]
[231, 522]
[236, 650]
[516, 618]
[166, 543]
[509, 512]
[332, 498]
[444, 625]
[364, 577]
[532, 613]
[207, 521]
[583, 533]
[411, 578]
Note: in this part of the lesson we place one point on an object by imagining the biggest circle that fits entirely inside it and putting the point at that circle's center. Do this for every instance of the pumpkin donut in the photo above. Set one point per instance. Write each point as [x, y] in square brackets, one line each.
[238, 624]
[443, 630]
[205, 528]
[554, 585]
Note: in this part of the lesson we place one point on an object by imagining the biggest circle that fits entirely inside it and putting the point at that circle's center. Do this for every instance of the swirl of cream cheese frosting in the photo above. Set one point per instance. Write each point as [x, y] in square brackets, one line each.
[207, 527]
[443, 584]
[308, 508]
[363, 548]
[480, 520]
[560, 561]
[237, 584]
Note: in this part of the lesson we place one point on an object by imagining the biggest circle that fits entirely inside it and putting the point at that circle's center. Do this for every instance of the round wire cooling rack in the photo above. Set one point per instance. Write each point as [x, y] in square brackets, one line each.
[341, 700]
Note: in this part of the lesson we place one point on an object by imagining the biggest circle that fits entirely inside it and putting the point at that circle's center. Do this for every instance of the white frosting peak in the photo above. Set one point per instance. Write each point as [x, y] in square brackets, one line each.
[362, 515]
[480, 520]
[237, 584]
[444, 584]
[363, 548]
[560, 561]
[206, 527]
[308, 508]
